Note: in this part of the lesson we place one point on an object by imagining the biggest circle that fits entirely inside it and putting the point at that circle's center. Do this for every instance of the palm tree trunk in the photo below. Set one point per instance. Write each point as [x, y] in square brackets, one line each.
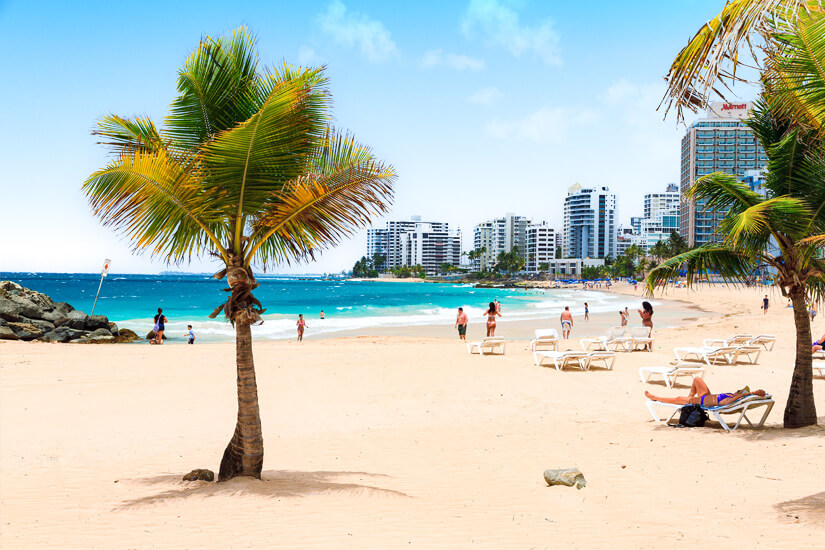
[801, 409]
[244, 456]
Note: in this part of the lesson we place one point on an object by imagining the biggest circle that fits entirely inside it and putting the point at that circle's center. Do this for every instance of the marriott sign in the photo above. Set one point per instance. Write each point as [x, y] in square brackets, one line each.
[729, 110]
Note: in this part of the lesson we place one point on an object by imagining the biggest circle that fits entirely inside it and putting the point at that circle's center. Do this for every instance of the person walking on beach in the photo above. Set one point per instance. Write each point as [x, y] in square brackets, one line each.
[190, 335]
[566, 319]
[586, 312]
[765, 304]
[461, 324]
[160, 326]
[646, 313]
[301, 326]
[491, 319]
[623, 317]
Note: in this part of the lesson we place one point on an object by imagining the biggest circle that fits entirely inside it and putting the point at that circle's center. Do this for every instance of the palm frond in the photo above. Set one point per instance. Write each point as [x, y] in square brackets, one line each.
[731, 265]
[713, 54]
[795, 75]
[723, 192]
[250, 161]
[128, 136]
[154, 201]
[344, 189]
[752, 229]
[218, 88]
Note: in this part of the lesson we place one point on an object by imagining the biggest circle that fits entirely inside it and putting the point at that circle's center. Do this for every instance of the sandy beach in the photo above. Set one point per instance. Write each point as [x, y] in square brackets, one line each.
[402, 441]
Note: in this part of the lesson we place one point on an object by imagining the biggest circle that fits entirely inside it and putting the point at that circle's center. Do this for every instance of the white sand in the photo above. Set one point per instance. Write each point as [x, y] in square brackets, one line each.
[391, 442]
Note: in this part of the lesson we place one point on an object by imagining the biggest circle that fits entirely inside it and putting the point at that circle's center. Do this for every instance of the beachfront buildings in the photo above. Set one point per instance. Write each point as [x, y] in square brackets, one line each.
[542, 243]
[571, 267]
[414, 242]
[590, 219]
[499, 235]
[661, 217]
[720, 142]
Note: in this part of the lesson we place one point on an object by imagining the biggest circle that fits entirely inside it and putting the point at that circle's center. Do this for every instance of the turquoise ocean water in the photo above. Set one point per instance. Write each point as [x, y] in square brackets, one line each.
[132, 300]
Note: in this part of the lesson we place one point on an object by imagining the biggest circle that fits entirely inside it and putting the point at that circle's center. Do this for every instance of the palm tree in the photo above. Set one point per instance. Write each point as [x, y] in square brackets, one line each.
[248, 170]
[769, 231]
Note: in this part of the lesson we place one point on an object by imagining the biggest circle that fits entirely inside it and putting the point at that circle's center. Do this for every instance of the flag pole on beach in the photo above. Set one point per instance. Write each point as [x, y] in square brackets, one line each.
[103, 274]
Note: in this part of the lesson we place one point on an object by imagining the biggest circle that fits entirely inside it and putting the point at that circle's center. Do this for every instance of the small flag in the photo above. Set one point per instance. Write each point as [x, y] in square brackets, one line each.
[105, 271]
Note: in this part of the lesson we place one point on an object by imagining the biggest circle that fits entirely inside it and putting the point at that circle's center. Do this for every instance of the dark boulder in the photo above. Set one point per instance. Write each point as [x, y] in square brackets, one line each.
[10, 310]
[113, 329]
[77, 320]
[45, 326]
[200, 475]
[56, 316]
[94, 322]
[6, 333]
[62, 334]
[26, 307]
[125, 335]
[151, 335]
[63, 308]
[25, 331]
[101, 334]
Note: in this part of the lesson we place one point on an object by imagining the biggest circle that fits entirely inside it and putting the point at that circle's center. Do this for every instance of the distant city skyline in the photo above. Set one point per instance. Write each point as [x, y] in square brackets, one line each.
[483, 106]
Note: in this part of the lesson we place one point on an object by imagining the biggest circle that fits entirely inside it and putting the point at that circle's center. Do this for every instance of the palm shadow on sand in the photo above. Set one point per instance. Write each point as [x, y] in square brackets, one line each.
[273, 484]
[807, 509]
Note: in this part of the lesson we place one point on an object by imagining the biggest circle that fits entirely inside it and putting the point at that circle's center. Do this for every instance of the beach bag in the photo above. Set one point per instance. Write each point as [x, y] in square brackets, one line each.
[156, 328]
[693, 416]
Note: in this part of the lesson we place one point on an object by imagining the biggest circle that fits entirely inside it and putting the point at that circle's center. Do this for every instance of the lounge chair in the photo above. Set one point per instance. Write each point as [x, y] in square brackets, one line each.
[748, 352]
[487, 346]
[707, 354]
[616, 336]
[561, 359]
[639, 336]
[764, 340]
[671, 374]
[741, 406]
[736, 340]
[819, 354]
[607, 358]
[545, 337]
[819, 368]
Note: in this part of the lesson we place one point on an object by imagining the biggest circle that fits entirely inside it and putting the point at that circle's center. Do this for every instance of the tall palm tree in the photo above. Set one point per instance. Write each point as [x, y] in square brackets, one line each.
[248, 170]
[769, 231]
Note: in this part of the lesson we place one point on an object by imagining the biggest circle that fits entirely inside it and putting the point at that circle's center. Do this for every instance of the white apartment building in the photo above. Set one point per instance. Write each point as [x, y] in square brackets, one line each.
[571, 267]
[661, 218]
[590, 219]
[499, 235]
[414, 242]
[542, 241]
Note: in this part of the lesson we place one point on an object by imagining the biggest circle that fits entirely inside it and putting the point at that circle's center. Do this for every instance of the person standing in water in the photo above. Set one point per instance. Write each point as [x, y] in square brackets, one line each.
[301, 326]
[160, 326]
[498, 306]
[623, 317]
[322, 314]
[646, 313]
[586, 312]
[461, 324]
[566, 319]
[491, 319]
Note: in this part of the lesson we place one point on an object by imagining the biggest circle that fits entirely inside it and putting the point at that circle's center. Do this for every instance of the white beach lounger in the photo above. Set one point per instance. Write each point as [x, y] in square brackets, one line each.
[819, 354]
[616, 336]
[562, 359]
[639, 336]
[707, 354]
[607, 358]
[749, 353]
[819, 368]
[544, 338]
[736, 340]
[765, 340]
[487, 346]
[671, 374]
[741, 406]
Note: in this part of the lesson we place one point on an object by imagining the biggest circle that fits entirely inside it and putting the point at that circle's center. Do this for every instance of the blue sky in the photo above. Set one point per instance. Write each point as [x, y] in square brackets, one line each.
[483, 106]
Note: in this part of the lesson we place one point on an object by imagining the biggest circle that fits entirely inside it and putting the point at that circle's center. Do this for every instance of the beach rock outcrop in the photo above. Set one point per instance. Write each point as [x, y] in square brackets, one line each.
[200, 475]
[26, 314]
[151, 335]
[569, 477]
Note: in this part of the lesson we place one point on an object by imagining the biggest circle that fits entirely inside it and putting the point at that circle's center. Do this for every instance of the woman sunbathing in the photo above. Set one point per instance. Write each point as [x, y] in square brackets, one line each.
[700, 395]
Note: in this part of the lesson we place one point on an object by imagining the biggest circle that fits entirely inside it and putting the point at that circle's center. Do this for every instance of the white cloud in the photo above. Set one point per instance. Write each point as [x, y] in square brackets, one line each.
[500, 24]
[548, 124]
[356, 29]
[485, 96]
[437, 58]
[308, 56]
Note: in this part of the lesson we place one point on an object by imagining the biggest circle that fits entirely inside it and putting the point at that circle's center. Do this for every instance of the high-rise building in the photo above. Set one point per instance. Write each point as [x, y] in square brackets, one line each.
[499, 235]
[541, 246]
[720, 142]
[414, 242]
[590, 222]
[661, 217]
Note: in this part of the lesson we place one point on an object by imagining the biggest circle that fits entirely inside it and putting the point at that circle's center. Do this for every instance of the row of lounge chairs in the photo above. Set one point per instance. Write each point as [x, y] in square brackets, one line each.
[581, 359]
[625, 338]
